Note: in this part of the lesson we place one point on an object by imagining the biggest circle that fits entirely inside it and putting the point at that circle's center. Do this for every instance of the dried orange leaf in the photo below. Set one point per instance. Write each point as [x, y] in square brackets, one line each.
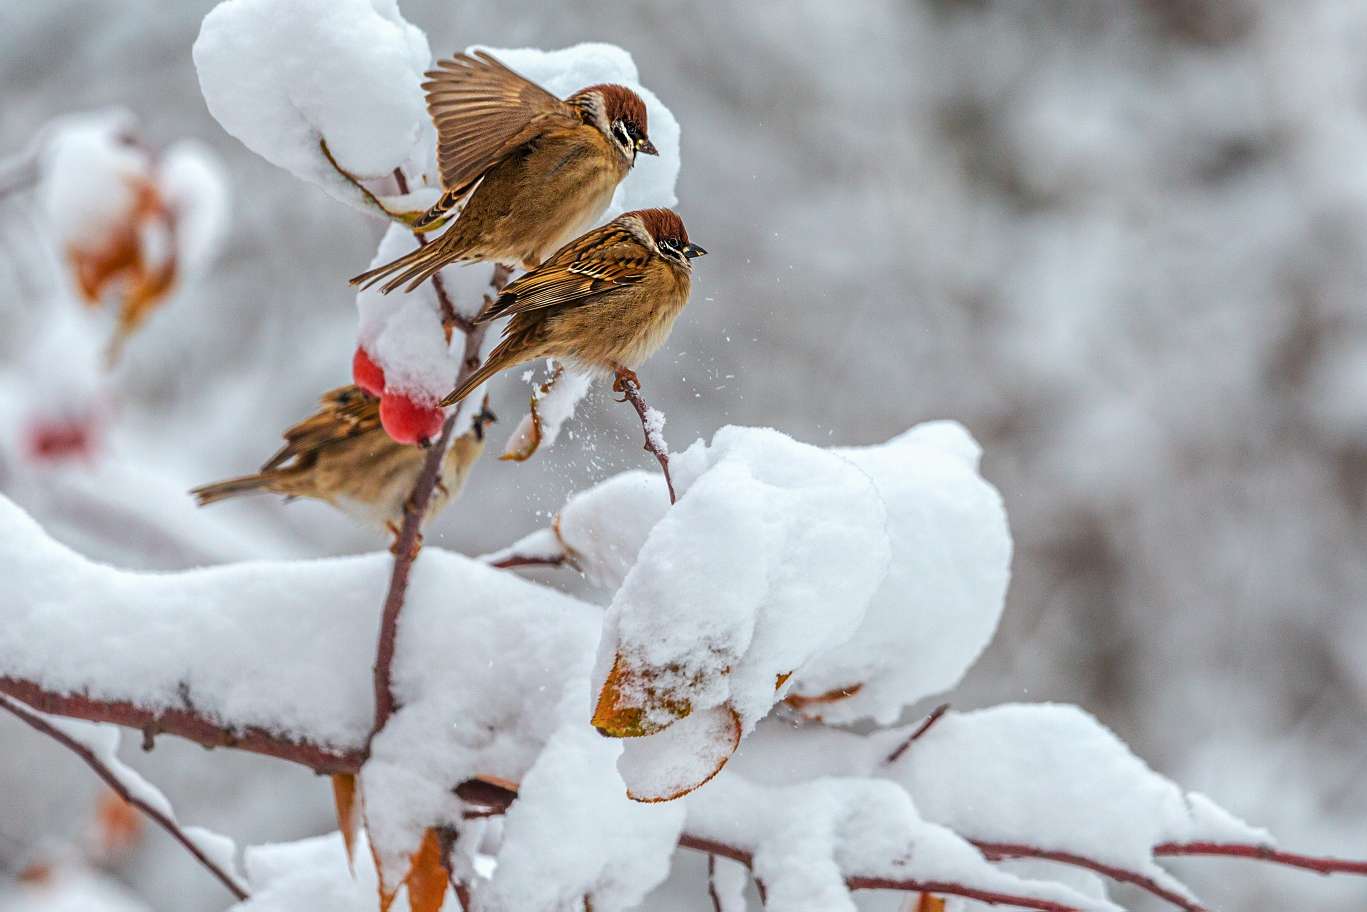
[803, 703]
[782, 679]
[348, 819]
[526, 438]
[929, 903]
[630, 705]
[118, 823]
[428, 877]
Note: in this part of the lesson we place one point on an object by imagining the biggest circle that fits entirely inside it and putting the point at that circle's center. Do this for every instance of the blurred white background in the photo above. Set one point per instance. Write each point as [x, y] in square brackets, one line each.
[1124, 242]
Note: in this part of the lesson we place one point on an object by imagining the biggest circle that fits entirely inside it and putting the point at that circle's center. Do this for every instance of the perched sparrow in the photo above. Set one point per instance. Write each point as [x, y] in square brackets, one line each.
[603, 303]
[541, 170]
[342, 456]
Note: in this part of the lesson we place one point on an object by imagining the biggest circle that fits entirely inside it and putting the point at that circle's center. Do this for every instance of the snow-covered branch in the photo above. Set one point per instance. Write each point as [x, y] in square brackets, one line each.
[652, 424]
[126, 784]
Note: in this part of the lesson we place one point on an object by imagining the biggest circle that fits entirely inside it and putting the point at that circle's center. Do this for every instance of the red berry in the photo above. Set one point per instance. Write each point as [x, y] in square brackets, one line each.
[57, 441]
[410, 422]
[366, 374]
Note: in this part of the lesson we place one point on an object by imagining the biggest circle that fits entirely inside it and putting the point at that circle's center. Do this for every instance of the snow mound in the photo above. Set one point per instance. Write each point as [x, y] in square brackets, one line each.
[770, 556]
[943, 596]
[282, 75]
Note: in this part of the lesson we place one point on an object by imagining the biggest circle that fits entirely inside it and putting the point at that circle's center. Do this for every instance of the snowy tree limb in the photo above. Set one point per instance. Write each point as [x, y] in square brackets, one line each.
[1263, 853]
[37, 722]
[450, 317]
[935, 716]
[409, 541]
[651, 422]
[997, 851]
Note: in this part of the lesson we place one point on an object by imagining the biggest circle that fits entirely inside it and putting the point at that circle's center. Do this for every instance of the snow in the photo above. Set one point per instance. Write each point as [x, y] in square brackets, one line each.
[280, 76]
[193, 184]
[90, 176]
[944, 593]
[807, 838]
[1051, 776]
[590, 840]
[555, 400]
[309, 874]
[728, 882]
[602, 528]
[772, 553]
[70, 888]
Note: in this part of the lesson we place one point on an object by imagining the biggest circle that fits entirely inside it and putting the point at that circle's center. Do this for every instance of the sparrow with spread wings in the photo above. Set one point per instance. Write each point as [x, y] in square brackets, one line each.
[533, 171]
[604, 303]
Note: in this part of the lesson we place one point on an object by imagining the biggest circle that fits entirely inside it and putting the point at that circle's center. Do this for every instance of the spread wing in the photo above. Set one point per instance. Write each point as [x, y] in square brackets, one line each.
[607, 258]
[482, 111]
[345, 412]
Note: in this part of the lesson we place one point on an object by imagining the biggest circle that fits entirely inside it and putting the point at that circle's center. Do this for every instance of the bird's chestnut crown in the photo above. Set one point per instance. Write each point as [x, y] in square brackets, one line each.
[621, 114]
[671, 237]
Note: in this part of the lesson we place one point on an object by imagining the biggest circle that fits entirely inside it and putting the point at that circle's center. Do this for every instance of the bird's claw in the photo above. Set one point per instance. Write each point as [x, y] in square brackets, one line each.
[625, 378]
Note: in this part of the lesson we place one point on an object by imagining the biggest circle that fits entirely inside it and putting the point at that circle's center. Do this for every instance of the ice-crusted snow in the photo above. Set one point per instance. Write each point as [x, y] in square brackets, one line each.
[939, 605]
[281, 75]
[1053, 777]
[770, 556]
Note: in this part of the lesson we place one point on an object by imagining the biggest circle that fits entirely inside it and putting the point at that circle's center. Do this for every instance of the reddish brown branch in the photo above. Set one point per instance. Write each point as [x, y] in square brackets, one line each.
[1264, 853]
[35, 721]
[935, 715]
[530, 560]
[630, 388]
[450, 317]
[996, 851]
[409, 541]
[185, 723]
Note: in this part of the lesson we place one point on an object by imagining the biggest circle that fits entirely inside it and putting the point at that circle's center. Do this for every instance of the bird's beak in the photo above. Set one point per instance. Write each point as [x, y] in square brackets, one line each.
[646, 146]
[693, 250]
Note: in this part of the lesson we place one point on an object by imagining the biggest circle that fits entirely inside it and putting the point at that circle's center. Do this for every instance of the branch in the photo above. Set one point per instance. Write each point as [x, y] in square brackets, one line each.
[1264, 853]
[408, 543]
[492, 798]
[651, 423]
[529, 560]
[996, 851]
[450, 317]
[935, 715]
[111, 779]
[186, 723]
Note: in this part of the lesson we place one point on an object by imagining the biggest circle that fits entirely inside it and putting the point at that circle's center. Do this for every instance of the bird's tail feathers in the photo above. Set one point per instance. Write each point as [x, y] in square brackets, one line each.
[233, 487]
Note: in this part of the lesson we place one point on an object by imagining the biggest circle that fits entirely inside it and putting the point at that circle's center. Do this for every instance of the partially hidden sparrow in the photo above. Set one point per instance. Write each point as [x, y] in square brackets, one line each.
[603, 304]
[537, 171]
[342, 456]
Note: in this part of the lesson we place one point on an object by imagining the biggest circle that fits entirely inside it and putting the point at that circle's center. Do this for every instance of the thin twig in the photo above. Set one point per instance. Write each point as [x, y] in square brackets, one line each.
[409, 541]
[935, 716]
[36, 721]
[630, 389]
[529, 560]
[1264, 853]
[712, 883]
[450, 317]
[996, 851]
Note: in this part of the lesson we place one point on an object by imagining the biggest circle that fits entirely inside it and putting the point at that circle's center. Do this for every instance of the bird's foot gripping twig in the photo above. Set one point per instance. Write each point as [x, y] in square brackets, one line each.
[652, 422]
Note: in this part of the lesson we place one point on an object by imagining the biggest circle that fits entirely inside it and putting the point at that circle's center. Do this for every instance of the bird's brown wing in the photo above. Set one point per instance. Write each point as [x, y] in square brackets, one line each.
[345, 412]
[606, 258]
[482, 111]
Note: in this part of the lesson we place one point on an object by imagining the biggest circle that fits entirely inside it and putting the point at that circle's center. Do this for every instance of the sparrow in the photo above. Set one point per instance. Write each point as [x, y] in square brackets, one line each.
[342, 456]
[603, 303]
[537, 171]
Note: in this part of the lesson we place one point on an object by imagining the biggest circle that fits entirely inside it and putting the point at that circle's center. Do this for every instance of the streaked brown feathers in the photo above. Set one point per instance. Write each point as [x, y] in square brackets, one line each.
[482, 111]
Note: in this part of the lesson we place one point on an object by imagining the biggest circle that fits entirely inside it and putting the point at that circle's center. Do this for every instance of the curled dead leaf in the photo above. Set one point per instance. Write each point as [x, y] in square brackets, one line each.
[633, 705]
[682, 757]
[348, 816]
[810, 706]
